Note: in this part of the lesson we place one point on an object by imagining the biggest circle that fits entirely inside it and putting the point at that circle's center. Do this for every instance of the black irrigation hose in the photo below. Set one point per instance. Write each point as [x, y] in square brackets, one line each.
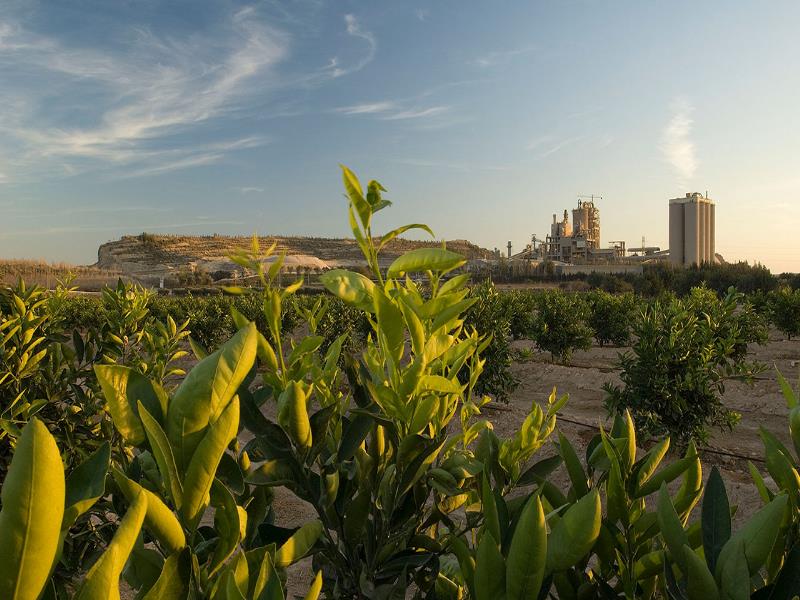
[707, 449]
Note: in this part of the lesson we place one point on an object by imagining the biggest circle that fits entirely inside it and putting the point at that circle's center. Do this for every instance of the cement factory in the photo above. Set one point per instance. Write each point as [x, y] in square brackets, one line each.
[575, 247]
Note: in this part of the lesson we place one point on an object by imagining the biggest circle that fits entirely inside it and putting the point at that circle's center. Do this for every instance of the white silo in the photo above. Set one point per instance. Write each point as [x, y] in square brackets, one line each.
[691, 230]
[676, 231]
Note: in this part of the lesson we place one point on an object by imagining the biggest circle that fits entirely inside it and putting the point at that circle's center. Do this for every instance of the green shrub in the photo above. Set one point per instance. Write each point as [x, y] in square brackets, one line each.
[560, 324]
[489, 316]
[180, 471]
[684, 351]
[341, 319]
[610, 317]
[520, 307]
[784, 310]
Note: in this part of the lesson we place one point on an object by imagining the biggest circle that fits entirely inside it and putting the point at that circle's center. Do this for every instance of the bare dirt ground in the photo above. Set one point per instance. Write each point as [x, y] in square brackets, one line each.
[761, 405]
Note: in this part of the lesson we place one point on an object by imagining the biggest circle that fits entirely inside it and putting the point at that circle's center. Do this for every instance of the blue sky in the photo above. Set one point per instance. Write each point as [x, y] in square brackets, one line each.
[481, 118]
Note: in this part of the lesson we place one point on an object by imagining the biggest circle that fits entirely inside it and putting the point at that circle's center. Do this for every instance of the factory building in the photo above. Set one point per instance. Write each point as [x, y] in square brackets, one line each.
[692, 230]
[574, 242]
[578, 242]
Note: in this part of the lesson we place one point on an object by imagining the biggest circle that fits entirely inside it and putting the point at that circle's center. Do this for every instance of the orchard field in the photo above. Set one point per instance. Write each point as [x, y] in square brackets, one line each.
[404, 435]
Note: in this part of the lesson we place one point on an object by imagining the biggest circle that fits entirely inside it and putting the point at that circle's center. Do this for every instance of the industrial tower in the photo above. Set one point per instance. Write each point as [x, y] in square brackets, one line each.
[692, 230]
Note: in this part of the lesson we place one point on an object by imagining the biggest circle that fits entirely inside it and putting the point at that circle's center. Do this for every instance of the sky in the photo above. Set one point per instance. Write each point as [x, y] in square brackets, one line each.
[481, 119]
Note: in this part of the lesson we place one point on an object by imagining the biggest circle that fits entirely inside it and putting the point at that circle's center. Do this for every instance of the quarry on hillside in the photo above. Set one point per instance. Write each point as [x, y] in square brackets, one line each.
[149, 258]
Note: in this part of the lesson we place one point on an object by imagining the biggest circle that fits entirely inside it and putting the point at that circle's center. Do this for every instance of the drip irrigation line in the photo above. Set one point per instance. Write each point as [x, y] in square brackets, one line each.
[706, 449]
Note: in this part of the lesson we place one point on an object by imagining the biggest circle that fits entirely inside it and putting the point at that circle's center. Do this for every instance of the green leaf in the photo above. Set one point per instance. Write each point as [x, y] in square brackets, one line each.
[356, 196]
[162, 451]
[671, 527]
[788, 392]
[574, 468]
[293, 415]
[102, 580]
[204, 463]
[734, 578]
[197, 349]
[665, 475]
[143, 567]
[757, 536]
[86, 484]
[437, 383]
[315, 589]
[715, 518]
[273, 473]
[794, 428]
[206, 392]
[33, 510]
[700, 583]
[355, 432]
[574, 535]
[490, 570]
[390, 325]
[123, 389]
[297, 546]
[538, 473]
[651, 462]
[268, 583]
[159, 520]
[425, 259]
[649, 565]
[227, 525]
[491, 519]
[306, 346]
[527, 554]
[385, 239]
[454, 284]
[787, 584]
[173, 583]
[765, 494]
[692, 485]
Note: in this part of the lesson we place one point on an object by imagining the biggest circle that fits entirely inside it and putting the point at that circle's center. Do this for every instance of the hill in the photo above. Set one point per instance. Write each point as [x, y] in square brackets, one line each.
[149, 257]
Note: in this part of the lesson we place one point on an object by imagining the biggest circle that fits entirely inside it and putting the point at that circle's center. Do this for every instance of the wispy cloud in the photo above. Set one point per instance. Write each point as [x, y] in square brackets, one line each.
[354, 29]
[676, 142]
[367, 109]
[144, 96]
[546, 145]
[499, 57]
[422, 13]
[418, 114]
[249, 190]
[392, 110]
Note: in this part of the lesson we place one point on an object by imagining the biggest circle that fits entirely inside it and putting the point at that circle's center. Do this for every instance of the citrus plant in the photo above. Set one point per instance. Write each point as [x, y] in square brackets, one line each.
[560, 324]
[685, 350]
[610, 317]
[183, 468]
[379, 460]
[784, 310]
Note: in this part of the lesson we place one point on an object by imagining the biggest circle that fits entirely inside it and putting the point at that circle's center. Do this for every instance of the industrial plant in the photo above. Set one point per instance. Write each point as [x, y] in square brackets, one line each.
[575, 246]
